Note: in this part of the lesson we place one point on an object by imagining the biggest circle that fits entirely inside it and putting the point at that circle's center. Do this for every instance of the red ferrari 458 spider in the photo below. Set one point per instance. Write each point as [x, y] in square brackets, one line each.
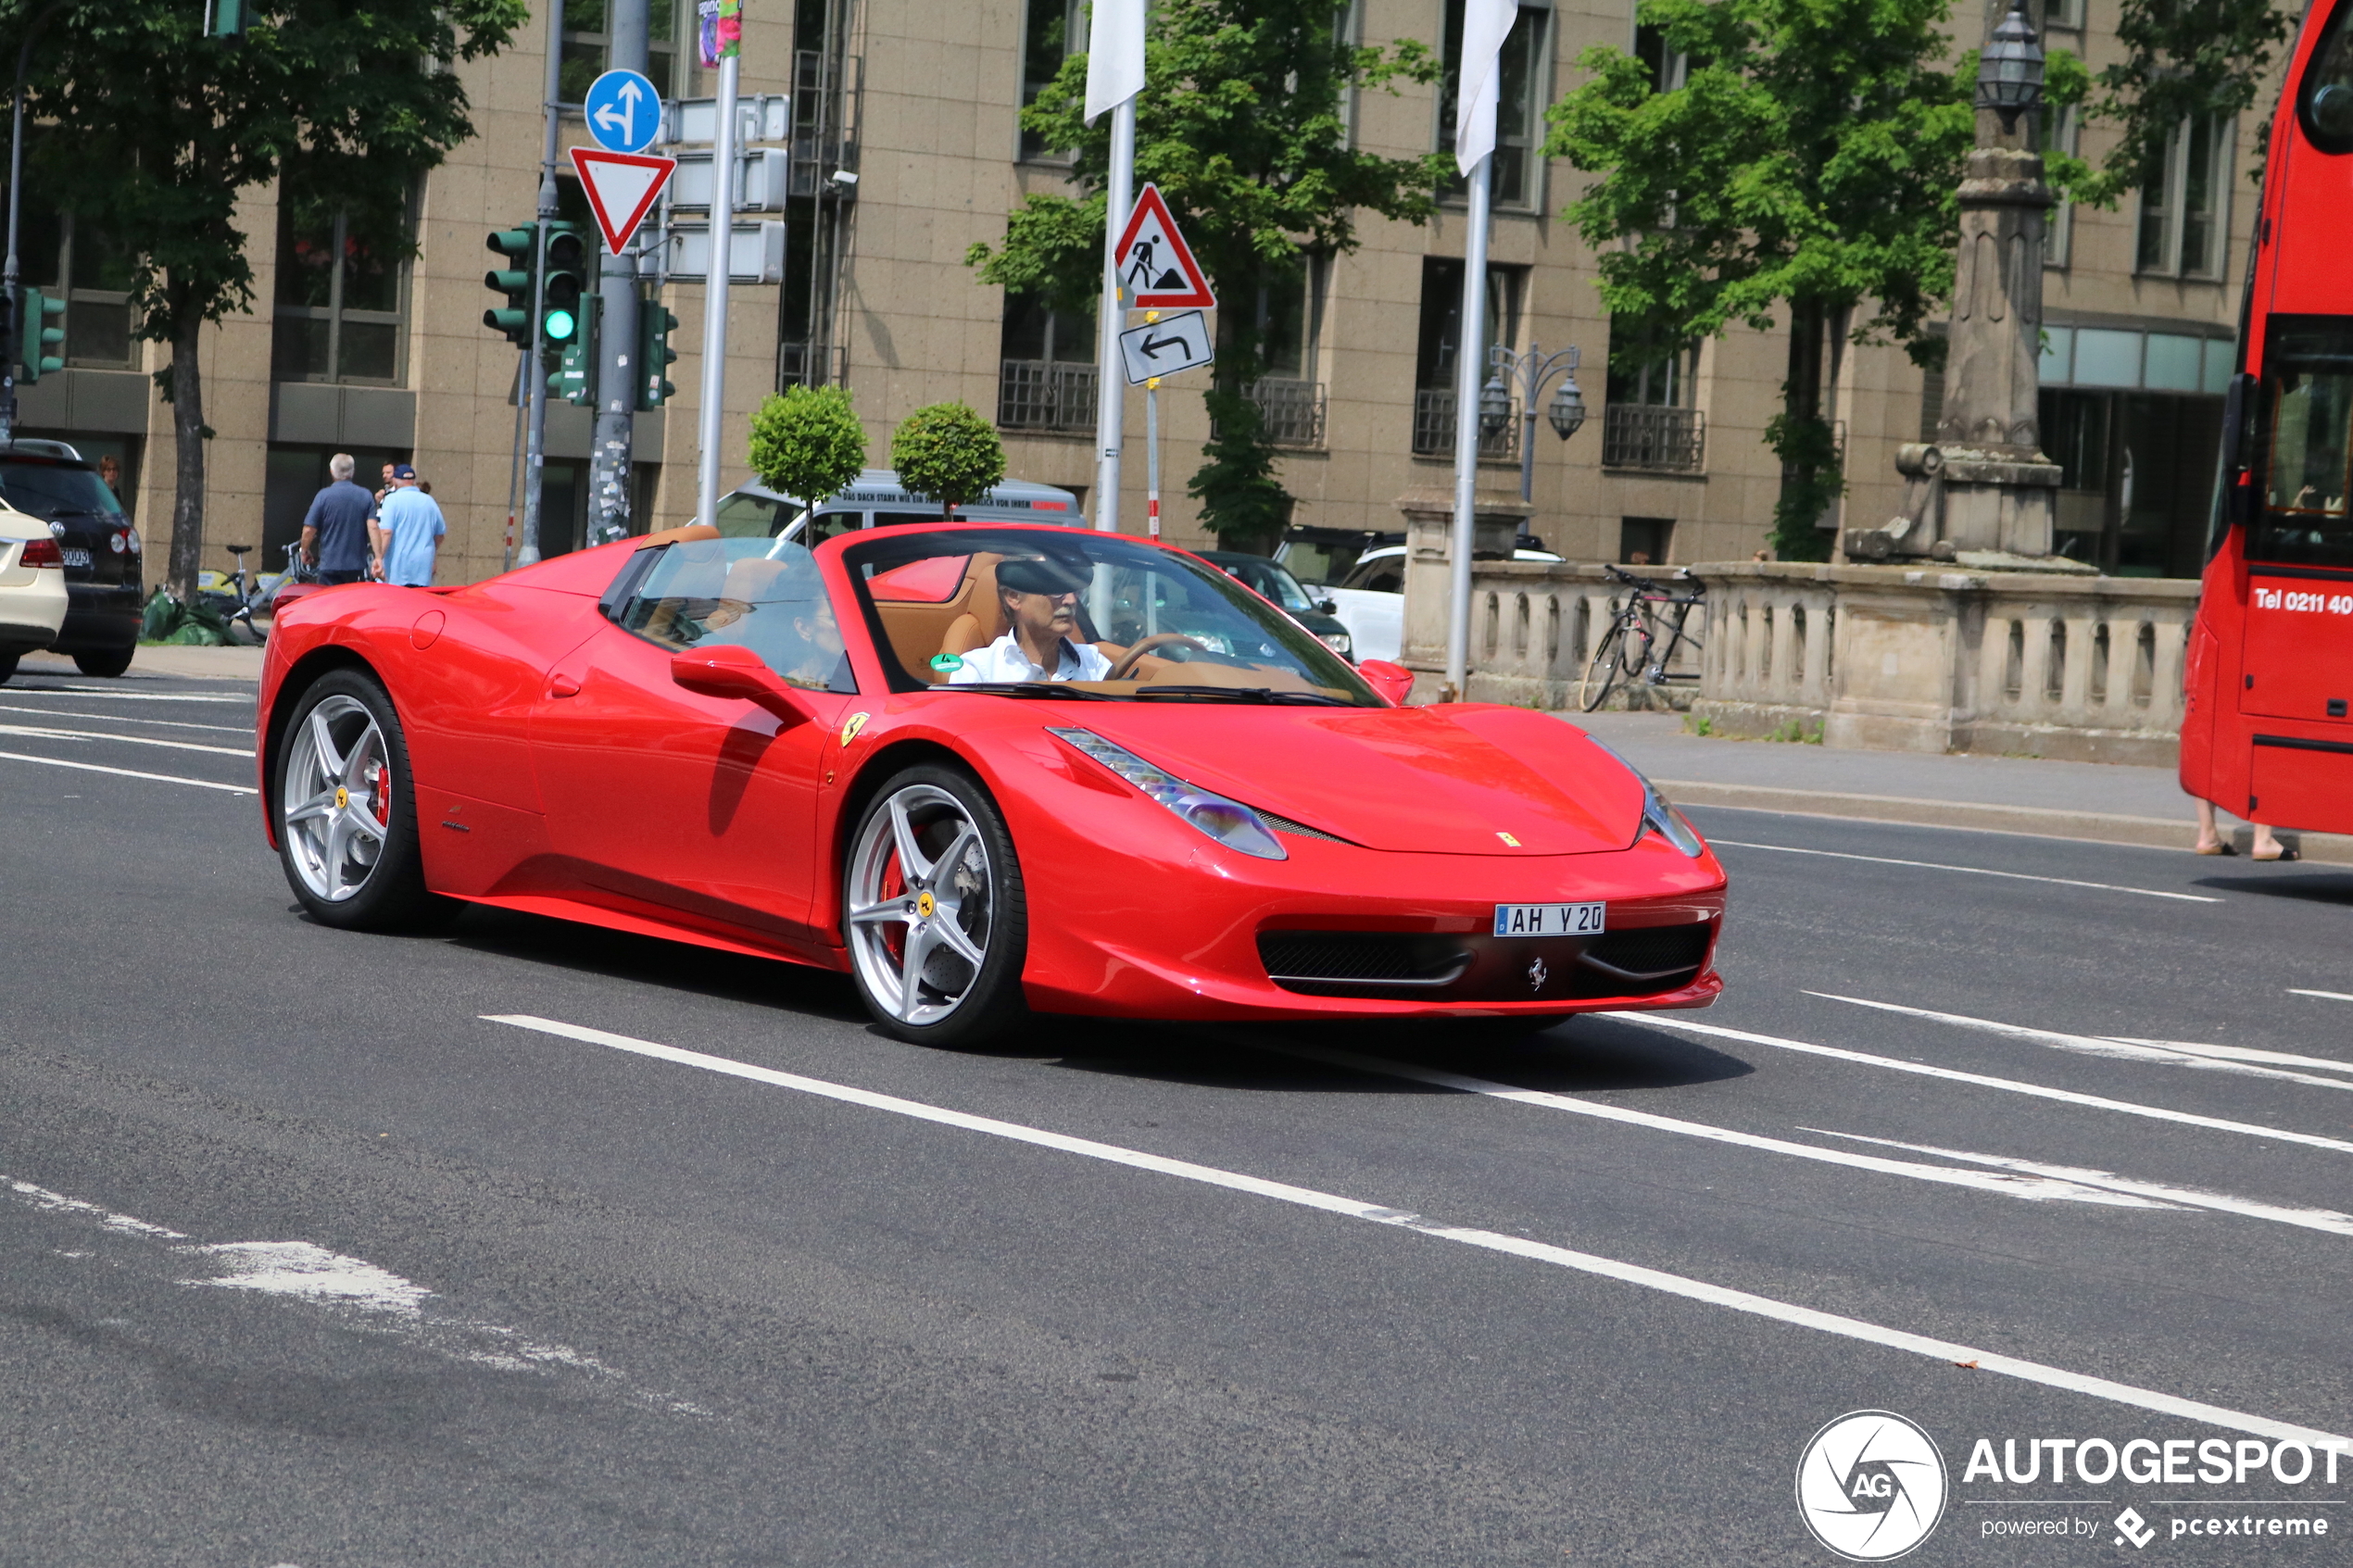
[983, 768]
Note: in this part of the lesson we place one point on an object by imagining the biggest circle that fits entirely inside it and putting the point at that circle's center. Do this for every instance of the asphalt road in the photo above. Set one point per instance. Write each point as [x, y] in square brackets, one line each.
[306, 1257]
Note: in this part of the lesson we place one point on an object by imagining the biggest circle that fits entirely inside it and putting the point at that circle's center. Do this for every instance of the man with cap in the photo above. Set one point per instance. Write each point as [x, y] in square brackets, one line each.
[1041, 597]
[410, 528]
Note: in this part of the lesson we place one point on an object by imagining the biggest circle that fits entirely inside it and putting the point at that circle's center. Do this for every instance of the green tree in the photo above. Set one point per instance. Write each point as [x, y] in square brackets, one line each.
[948, 453]
[1809, 164]
[350, 102]
[2182, 57]
[1243, 126]
[807, 443]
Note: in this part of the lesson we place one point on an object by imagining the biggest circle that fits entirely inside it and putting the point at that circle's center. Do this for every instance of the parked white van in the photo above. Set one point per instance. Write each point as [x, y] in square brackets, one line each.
[876, 499]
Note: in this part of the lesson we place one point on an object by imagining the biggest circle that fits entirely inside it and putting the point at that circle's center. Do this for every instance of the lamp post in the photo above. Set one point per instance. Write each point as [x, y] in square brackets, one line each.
[1530, 371]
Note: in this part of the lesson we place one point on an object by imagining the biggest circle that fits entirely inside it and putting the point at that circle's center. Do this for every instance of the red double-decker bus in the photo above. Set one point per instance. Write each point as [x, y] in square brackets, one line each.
[2267, 735]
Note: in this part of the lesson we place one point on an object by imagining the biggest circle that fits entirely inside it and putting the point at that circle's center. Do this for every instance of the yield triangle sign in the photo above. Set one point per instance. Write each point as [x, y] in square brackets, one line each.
[620, 189]
[1156, 267]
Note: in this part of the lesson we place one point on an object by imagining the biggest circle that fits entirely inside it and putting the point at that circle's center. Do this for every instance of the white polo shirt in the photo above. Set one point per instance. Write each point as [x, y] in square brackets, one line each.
[1004, 661]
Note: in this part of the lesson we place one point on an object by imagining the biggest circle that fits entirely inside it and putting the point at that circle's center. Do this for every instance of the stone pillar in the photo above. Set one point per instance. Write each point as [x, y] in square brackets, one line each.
[1429, 521]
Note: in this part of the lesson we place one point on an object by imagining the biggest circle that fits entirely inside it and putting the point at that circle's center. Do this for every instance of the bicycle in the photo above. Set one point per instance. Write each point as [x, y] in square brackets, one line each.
[239, 594]
[1652, 611]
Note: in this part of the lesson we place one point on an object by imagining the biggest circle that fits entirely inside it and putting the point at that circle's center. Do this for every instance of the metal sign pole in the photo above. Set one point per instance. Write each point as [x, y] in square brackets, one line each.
[534, 377]
[1151, 454]
[1470, 343]
[609, 487]
[714, 321]
[1111, 390]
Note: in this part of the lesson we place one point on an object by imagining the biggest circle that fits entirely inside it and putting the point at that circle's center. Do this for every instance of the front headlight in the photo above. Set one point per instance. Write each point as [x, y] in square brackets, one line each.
[1339, 642]
[1230, 822]
[1658, 816]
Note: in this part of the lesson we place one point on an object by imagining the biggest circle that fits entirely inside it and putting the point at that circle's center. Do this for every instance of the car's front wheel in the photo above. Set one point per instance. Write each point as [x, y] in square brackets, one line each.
[347, 809]
[933, 911]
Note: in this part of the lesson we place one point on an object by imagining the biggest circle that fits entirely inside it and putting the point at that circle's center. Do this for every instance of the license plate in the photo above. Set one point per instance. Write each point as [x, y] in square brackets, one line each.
[1549, 920]
[76, 558]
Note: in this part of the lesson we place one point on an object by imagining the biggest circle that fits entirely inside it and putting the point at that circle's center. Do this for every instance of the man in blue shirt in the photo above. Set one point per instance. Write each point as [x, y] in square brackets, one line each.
[334, 531]
[413, 528]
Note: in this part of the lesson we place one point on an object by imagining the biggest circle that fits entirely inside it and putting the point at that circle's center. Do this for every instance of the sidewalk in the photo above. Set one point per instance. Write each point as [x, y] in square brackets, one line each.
[2083, 800]
[178, 663]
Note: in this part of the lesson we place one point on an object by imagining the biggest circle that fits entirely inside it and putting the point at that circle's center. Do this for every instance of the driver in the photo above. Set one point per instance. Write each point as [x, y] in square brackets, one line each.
[1040, 599]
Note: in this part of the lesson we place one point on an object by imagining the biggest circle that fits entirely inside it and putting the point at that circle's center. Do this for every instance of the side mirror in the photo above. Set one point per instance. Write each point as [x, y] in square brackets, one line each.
[731, 672]
[1328, 605]
[2238, 410]
[1392, 681]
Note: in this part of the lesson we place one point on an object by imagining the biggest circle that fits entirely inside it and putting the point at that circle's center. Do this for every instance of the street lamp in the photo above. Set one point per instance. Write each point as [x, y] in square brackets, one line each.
[2010, 73]
[1532, 370]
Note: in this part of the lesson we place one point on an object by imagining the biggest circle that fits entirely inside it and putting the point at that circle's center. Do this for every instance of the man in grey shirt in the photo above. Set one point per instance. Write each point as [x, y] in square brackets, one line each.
[334, 531]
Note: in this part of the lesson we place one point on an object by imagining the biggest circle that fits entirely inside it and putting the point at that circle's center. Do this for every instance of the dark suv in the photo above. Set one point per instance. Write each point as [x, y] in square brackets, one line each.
[49, 480]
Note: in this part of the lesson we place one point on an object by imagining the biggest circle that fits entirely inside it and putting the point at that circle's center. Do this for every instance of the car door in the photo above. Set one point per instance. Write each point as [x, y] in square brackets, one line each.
[702, 808]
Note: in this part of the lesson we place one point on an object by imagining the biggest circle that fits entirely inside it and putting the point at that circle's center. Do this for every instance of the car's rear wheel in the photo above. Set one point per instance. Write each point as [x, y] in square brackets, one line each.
[933, 911]
[105, 663]
[347, 809]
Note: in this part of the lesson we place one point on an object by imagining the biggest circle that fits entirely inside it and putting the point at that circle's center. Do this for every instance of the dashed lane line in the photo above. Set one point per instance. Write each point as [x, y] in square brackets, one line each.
[1982, 1080]
[1519, 1247]
[1972, 871]
[29, 731]
[127, 719]
[126, 772]
[2331, 995]
[127, 696]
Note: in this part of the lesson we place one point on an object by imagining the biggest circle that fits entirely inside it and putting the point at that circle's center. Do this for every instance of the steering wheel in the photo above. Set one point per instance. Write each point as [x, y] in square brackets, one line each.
[1128, 660]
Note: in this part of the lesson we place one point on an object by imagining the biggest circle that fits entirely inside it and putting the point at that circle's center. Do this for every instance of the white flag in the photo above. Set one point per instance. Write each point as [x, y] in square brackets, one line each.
[1114, 54]
[1486, 23]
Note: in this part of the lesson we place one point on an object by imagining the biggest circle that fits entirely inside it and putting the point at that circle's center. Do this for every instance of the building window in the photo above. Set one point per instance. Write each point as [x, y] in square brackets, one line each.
[2183, 227]
[342, 288]
[1051, 32]
[1644, 541]
[1521, 95]
[72, 259]
[2060, 131]
[1669, 68]
[675, 72]
[1047, 374]
[1650, 422]
[2064, 16]
[1439, 347]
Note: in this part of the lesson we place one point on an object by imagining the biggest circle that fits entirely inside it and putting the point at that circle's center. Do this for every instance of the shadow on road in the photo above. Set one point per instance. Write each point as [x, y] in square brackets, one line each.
[654, 961]
[2315, 887]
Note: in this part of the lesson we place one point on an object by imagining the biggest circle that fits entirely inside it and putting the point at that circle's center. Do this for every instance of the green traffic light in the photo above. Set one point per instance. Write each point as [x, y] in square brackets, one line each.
[559, 325]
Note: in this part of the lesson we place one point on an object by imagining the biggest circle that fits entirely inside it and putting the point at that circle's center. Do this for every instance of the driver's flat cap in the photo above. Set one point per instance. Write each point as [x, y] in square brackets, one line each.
[1040, 574]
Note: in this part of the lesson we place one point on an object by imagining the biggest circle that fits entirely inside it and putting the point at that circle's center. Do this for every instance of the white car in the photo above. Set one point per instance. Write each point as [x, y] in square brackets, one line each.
[32, 587]
[1370, 601]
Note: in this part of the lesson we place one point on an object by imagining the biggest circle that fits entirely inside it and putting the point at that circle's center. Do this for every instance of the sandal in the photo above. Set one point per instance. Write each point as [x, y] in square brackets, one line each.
[2225, 847]
[2285, 854]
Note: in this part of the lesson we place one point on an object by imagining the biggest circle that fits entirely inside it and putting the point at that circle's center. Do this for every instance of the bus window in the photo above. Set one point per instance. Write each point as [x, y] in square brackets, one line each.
[2308, 367]
[2325, 104]
[828, 524]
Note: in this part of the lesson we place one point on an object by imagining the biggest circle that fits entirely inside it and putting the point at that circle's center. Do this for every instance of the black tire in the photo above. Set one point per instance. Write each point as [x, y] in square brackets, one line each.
[1607, 669]
[7, 666]
[104, 663]
[989, 1002]
[390, 894]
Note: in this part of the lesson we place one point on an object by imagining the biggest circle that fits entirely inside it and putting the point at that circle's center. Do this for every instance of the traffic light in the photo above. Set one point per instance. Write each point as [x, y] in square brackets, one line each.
[521, 246]
[575, 376]
[654, 325]
[35, 337]
[567, 285]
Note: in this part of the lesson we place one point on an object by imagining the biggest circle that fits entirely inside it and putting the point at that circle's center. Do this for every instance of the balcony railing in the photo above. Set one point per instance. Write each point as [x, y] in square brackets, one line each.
[1434, 428]
[1045, 395]
[1290, 413]
[804, 363]
[1637, 436]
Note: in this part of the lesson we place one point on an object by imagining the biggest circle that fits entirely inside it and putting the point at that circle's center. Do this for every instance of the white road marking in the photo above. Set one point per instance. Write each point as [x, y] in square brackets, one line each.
[1953, 1075]
[2036, 1188]
[1973, 870]
[125, 773]
[2332, 996]
[304, 1272]
[126, 718]
[125, 696]
[2236, 1053]
[29, 731]
[1519, 1247]
[2211, 1059]
[2327, 1219]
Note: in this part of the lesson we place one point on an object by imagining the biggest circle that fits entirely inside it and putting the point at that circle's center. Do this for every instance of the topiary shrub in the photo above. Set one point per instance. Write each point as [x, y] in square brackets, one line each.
[807, 443]
[948, 453]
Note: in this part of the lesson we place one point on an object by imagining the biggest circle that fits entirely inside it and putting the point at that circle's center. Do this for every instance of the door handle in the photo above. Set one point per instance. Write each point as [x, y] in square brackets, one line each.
[563, 685]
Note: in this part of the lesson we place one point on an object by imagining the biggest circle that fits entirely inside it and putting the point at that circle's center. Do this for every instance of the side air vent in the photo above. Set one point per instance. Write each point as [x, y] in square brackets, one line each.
[1298, 960]
[1649, 953]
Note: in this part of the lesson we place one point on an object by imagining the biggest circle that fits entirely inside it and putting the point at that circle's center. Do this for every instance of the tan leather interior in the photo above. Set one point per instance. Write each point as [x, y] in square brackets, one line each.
[973, 617]
[678, 535]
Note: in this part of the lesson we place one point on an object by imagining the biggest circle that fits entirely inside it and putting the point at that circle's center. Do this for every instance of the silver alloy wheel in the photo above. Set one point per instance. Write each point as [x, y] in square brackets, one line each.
[338, 798]
[921, 904]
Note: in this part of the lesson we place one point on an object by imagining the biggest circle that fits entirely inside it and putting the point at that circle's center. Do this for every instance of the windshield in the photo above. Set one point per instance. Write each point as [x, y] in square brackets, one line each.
[2307, 409]
[52, 490]
[1032, 612]
[1272, 582]
[747, 593]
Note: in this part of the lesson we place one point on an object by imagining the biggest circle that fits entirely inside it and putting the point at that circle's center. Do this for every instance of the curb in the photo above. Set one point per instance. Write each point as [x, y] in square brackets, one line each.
[2148, 833]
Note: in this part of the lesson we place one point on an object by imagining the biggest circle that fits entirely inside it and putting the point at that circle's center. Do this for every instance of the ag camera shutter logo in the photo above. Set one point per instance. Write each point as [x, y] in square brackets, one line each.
[1871, 1486]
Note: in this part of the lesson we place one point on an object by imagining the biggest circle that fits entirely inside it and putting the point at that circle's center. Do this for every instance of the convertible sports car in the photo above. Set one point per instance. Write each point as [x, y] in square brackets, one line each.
[857, 757]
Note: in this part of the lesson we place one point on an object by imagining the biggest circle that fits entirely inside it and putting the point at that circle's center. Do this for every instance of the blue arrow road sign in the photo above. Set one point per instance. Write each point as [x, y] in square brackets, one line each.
[624, 112]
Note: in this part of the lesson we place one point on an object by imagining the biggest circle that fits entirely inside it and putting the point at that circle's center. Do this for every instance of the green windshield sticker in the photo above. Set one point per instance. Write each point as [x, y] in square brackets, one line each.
[946, 663]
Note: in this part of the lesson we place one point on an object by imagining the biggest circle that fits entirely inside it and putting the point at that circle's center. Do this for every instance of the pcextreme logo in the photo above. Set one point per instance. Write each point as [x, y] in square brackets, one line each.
[1871, 1486]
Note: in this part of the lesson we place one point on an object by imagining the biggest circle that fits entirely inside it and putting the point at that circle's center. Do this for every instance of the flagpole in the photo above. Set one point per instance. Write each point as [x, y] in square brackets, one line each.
[1109, 388]
[1471, 339]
